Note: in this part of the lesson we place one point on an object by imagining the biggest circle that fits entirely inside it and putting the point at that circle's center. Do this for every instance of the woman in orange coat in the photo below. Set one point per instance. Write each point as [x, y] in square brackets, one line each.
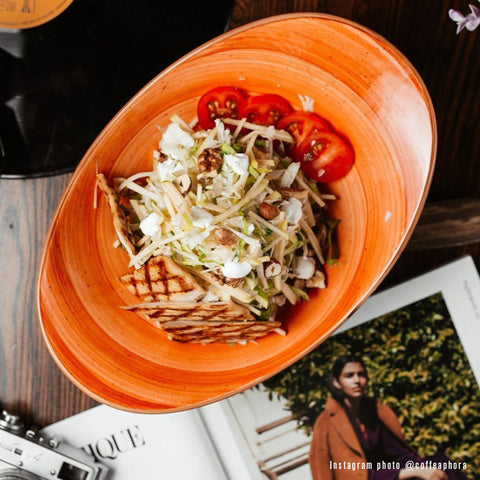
[358, 438]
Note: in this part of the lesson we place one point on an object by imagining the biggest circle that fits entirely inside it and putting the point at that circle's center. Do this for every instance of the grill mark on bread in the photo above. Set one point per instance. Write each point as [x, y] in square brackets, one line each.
[148, 280]
[191, 312]
[162, 279]
[206, 332]
[194, 311]
[163, 276]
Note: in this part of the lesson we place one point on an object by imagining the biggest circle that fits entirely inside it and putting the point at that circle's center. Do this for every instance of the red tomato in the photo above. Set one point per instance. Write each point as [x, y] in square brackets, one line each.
[266, 109]
[220, 102]
[301, 124]
[324, 156]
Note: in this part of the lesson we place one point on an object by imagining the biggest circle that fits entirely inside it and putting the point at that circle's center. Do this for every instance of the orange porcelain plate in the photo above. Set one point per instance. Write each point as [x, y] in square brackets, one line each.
[364, 86]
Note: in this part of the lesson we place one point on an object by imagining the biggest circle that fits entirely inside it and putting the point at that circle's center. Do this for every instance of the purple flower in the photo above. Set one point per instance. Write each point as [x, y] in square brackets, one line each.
[470, 21]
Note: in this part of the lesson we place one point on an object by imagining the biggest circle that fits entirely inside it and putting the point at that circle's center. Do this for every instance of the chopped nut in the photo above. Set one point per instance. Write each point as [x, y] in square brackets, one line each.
[268, 211]
[272, 268]
[232, 282]
[279, 300]
[299, 283]
[294, 192]
[224, 237]
[184, 183]
[209, 162]
[259, 153]
[317, 281]
[160, 157]
[322, 234]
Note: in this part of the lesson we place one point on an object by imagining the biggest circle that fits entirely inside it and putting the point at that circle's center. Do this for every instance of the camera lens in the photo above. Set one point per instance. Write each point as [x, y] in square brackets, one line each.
[17, 475]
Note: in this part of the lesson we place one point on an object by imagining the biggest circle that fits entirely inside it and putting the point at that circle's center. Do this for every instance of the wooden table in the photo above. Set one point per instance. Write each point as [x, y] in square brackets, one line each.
[30, 382]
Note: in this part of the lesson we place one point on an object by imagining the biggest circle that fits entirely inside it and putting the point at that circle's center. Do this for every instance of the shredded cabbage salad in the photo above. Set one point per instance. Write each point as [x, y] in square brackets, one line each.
[233, 209]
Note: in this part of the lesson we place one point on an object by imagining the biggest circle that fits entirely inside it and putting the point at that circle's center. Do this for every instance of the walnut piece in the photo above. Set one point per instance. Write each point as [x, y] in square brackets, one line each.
[209, 162]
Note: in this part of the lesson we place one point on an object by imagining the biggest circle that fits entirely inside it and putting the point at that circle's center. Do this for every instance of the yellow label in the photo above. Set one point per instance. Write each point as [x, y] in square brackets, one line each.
[20, 14]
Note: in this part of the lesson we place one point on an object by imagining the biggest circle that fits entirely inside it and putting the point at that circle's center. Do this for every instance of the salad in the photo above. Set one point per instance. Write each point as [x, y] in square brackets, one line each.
[233, 200]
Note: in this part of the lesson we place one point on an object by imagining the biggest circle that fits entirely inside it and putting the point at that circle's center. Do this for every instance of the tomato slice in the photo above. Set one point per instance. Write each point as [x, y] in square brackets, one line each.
[219, 102]
[265, 109]
[301, 124]
[324, 156]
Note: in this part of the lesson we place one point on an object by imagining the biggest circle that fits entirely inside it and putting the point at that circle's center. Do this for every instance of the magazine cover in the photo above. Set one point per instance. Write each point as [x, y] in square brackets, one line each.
[394, 393]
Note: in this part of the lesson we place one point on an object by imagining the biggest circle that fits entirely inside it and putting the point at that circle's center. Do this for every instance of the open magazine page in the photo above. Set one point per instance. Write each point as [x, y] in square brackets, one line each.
[172, 446]
[420, 344]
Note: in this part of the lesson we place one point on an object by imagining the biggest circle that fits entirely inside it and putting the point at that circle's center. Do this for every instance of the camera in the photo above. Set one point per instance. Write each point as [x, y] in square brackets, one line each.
[25, 454]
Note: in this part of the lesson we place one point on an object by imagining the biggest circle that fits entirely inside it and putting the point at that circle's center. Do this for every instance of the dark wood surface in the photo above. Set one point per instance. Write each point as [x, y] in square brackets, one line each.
[30, 382]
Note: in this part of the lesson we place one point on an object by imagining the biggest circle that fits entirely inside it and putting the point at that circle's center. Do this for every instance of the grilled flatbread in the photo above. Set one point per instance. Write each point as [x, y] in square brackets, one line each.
[162, 312]
[205, 322]
[119, 219]
[162, 280]
[190, 331]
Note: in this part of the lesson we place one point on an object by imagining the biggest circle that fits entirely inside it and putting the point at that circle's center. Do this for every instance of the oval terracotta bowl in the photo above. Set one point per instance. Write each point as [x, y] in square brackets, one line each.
[369, 92]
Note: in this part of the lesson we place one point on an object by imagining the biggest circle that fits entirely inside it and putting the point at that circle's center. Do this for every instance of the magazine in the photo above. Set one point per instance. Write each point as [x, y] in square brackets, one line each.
[420, 344]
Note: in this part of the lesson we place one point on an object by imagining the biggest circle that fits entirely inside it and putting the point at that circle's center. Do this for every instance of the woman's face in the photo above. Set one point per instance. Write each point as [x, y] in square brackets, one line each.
[352, 380]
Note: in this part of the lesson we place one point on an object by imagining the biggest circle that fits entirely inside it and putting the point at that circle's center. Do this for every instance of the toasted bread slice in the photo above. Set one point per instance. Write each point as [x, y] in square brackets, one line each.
[119, 219]
[190, 331]
[205, 322]
[161, 312]
[161, 280]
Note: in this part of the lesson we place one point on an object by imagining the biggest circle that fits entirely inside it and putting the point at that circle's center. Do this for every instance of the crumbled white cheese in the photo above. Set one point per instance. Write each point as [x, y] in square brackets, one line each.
[166, 169]
[236, 269]
[176, 142]
[293, 210]
[177, 220]
[237, 162]
[151, 225]
[307, 103]
[210, 142]
[200, 217]
[289, 175]
[223, 134]
[304, 268]
[223, 254]
[193, 239]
